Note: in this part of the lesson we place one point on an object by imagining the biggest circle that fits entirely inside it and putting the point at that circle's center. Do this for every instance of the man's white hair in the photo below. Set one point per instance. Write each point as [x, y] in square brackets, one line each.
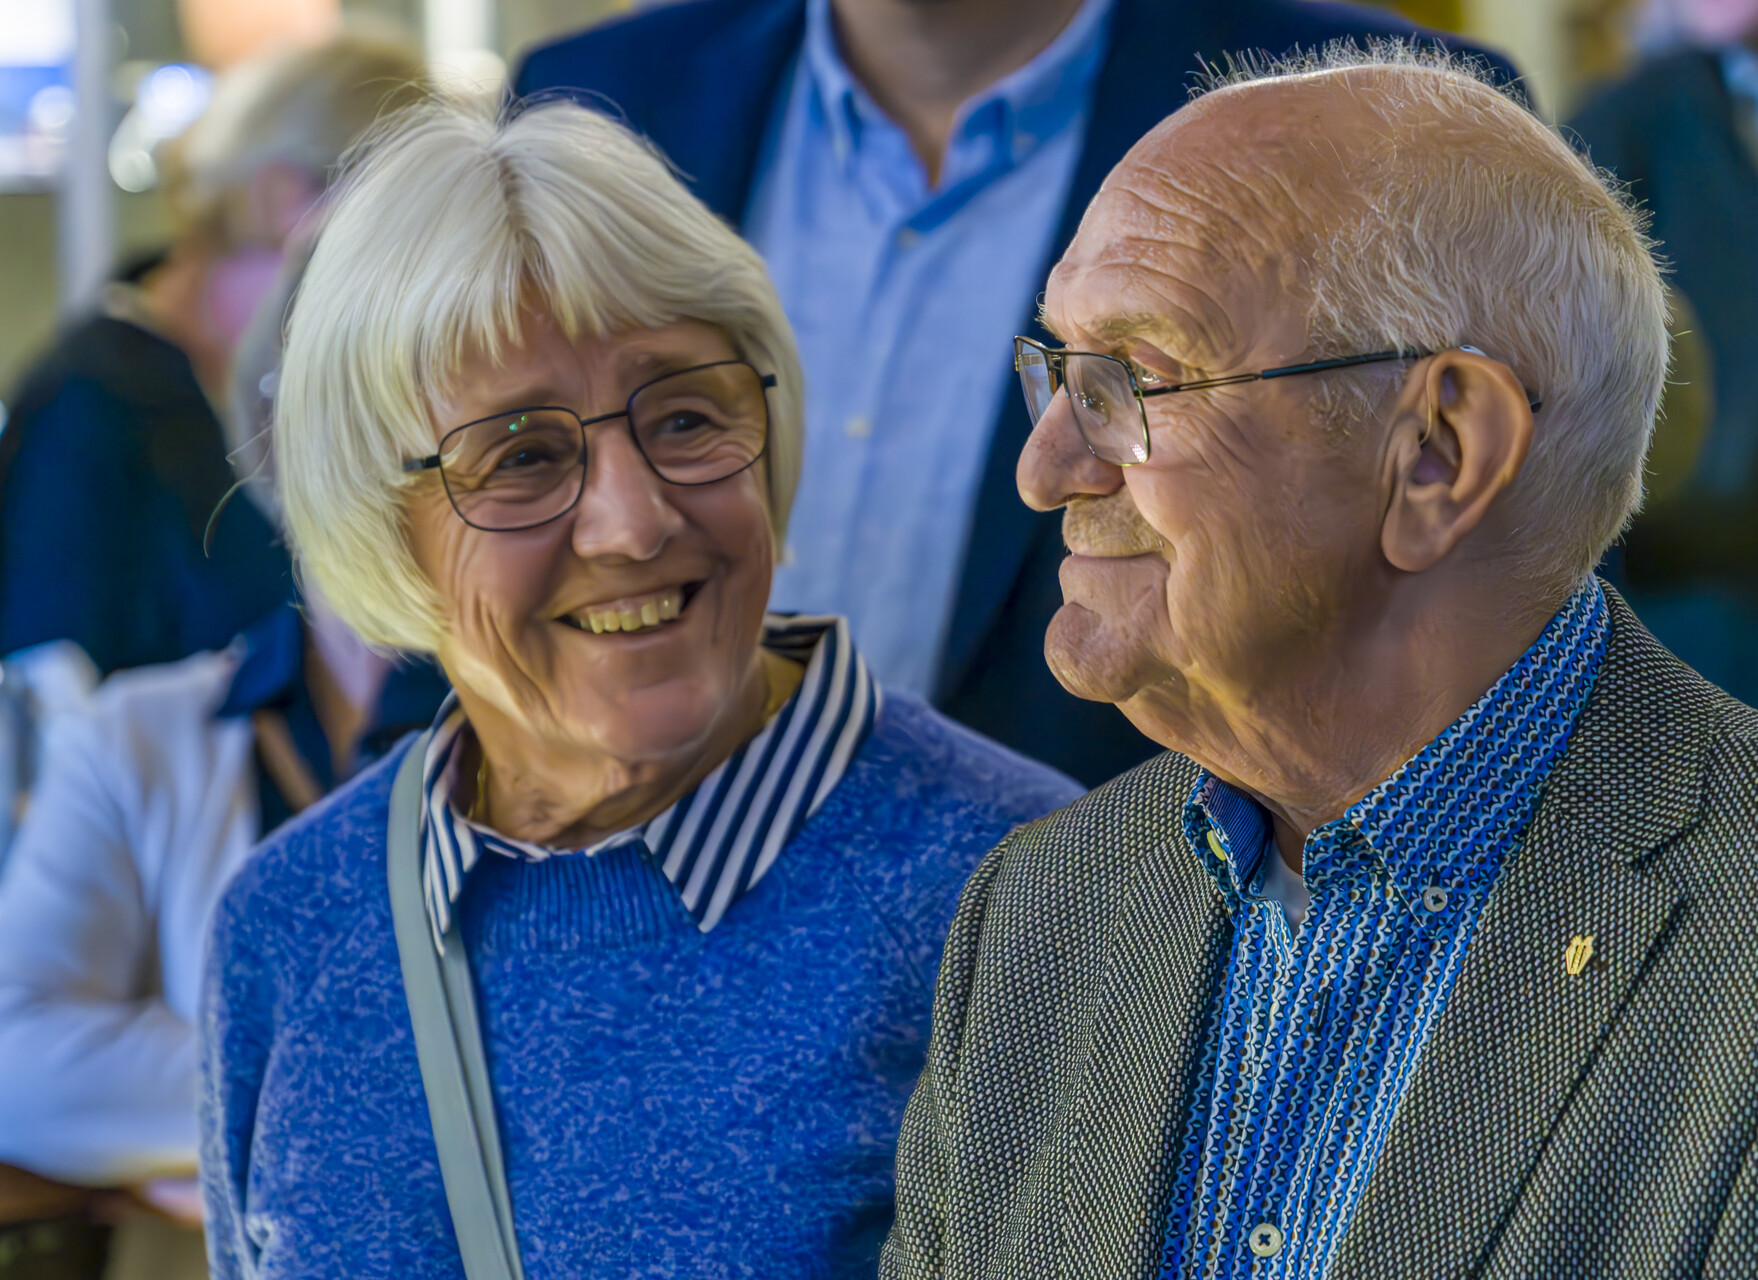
[1490, 230]
[448, 224]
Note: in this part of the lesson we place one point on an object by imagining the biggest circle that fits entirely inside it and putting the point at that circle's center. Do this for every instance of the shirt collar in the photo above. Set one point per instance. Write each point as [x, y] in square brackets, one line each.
[1449, 816]
[271, 676]
[717, 842]
[1019, 111]
[271, 673]
[271, 659]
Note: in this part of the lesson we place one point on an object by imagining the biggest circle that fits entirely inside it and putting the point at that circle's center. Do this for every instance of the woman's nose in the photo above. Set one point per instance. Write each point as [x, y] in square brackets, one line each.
[1056, 466]
[625, 509]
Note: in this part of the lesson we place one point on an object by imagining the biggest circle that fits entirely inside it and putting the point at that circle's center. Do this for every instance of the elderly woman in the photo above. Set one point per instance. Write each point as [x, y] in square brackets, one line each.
[624, 967]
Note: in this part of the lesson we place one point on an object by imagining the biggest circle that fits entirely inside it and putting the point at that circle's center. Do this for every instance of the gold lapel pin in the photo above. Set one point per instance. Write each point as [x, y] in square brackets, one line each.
[1578, 953]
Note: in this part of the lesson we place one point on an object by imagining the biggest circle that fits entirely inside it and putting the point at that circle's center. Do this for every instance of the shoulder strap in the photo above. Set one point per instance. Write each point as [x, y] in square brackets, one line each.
[448, 1042]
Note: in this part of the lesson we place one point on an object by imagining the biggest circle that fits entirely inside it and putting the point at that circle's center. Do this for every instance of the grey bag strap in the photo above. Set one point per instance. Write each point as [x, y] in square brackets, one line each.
[448, 1043]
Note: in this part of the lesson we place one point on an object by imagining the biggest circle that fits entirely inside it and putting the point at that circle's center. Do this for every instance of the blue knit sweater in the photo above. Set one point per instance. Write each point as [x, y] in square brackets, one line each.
[671, 1103]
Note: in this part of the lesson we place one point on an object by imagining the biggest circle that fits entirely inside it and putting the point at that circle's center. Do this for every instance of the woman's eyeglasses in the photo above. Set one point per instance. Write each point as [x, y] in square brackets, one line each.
[526, 467]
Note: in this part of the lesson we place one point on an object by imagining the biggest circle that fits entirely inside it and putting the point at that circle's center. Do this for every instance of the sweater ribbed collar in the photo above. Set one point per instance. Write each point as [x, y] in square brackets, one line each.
[715, 843]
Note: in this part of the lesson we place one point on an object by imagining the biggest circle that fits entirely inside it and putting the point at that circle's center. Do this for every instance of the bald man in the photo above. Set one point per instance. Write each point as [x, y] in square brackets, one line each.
[1428, 948]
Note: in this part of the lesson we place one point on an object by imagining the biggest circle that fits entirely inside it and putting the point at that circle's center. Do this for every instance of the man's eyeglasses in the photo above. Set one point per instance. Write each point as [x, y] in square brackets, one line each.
[1110, 404]
[526, 467]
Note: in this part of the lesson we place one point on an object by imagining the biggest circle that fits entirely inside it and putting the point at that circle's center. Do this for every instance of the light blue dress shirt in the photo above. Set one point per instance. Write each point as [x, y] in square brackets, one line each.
[904, 298]
[1318, 1030]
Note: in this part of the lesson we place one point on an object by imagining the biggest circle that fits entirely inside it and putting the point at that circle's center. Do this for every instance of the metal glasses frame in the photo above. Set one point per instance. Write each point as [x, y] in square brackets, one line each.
[433, 461]
[1053, 359]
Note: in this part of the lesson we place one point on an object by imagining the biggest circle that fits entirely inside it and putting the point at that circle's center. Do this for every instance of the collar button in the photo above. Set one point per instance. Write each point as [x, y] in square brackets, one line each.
[1434, 899]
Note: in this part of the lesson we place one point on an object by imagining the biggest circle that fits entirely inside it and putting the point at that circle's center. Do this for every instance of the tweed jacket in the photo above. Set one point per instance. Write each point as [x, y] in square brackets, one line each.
[1558, 1125]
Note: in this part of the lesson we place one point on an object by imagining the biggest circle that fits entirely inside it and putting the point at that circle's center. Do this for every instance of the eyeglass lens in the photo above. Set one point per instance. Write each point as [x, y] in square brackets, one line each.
[1102, 395]
[529, 466]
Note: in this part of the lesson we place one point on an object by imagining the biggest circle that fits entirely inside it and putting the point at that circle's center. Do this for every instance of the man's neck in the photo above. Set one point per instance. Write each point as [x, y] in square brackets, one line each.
[922, 59]
[1367, 696]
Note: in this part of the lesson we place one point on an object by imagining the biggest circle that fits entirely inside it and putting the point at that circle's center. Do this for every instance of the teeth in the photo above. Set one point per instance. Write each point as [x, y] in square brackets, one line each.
[650, 614]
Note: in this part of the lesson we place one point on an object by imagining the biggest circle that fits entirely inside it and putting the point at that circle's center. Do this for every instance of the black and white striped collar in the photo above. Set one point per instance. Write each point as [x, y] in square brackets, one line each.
[715, 843]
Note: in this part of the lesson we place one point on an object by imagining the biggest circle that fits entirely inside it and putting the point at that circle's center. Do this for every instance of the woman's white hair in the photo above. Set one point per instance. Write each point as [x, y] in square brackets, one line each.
[448, 224]
[1473, 222]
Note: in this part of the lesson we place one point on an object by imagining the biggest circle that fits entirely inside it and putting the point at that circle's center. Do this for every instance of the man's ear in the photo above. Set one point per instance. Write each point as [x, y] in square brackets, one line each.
[1460, 434]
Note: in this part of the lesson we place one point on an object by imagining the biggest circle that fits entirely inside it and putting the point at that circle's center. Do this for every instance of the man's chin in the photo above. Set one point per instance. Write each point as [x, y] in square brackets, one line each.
[1089, 659]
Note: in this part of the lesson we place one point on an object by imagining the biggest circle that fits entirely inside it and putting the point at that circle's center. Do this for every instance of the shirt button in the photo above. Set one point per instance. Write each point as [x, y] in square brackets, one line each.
[1215, 846]
[1434, 898]
[907, 238]
[1266, 1240]
[858, 427]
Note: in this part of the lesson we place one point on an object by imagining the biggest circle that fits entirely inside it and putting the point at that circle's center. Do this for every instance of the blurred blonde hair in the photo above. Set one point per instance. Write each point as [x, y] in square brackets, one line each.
[454, 220]
[301, 110]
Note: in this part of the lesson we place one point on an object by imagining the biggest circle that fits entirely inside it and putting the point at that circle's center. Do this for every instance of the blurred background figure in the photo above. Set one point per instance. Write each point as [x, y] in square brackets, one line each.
[1682, 130]
[144, 798]
[909, 171]
[113, 460]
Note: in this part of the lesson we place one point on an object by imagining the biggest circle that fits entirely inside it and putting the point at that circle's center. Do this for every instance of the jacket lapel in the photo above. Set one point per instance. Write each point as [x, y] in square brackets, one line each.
[1162, 963]
[1145, 78]
[1520, 1031]
[741, 73]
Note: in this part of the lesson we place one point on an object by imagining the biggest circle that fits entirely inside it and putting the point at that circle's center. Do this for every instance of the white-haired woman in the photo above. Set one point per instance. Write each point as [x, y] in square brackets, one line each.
[624, 968]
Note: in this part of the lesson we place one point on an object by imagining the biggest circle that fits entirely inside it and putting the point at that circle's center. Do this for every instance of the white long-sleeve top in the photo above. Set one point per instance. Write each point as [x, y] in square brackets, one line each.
[144, 805]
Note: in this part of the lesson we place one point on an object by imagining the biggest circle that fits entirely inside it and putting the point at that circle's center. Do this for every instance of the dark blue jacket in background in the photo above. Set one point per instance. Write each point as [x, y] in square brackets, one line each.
[110, 466]
[701, 80]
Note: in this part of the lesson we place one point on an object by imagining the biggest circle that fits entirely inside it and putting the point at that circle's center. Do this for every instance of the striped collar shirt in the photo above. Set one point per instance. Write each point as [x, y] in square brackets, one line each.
[1317, 1029]
[717, 842]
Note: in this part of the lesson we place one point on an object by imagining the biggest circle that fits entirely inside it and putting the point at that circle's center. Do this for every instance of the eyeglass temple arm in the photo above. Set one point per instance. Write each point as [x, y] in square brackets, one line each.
[1319, 366]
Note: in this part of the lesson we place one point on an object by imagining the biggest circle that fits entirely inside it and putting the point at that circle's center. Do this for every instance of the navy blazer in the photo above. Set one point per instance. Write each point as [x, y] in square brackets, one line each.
[701, 80]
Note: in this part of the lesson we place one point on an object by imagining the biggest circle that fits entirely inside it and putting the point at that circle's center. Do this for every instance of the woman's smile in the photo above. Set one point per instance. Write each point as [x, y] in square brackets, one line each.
[633, 614]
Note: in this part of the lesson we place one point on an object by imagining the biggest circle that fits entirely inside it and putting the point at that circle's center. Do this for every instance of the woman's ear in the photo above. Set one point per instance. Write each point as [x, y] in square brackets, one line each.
[1460, 434]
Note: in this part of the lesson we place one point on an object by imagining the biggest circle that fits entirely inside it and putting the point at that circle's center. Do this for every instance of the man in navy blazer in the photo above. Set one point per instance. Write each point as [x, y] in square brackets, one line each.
[710, 83]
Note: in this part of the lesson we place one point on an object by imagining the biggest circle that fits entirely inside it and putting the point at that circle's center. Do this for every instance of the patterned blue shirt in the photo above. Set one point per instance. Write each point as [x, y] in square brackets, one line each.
[1318, 1029]
[905, 295]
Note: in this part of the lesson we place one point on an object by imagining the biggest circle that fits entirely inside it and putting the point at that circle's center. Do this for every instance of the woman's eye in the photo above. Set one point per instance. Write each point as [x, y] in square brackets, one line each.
[680, 423]
[531, 455]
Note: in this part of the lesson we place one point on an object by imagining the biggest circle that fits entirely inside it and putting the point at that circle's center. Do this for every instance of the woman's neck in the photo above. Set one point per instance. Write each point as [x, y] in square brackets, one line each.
[573, 799]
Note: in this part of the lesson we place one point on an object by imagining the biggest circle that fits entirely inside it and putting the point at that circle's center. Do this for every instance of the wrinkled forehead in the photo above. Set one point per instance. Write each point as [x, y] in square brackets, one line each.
[1216, 212]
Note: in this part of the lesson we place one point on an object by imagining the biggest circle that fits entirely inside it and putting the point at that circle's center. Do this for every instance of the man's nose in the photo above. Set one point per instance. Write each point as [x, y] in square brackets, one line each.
[1056, 466]
[626, 509]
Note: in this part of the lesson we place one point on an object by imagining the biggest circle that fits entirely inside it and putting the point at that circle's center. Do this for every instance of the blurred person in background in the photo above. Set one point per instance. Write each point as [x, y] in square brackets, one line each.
[1682, 131]
[113, 460]
[146, 801]
[680, 866]
[909, 170]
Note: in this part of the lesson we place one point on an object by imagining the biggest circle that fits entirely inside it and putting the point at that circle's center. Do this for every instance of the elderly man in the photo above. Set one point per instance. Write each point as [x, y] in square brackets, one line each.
[1429, 948]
